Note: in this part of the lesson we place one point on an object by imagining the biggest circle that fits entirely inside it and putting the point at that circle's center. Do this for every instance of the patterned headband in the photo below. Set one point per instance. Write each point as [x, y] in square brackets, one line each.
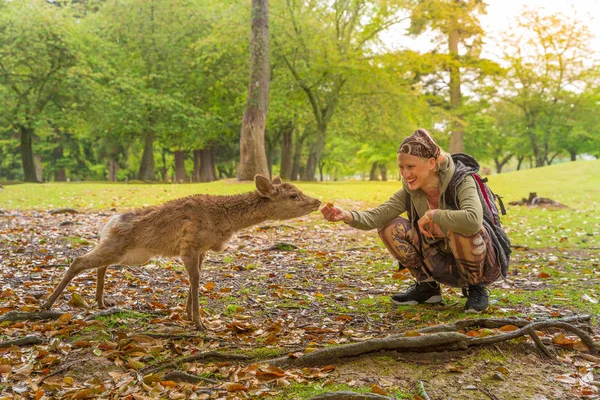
[420, 144]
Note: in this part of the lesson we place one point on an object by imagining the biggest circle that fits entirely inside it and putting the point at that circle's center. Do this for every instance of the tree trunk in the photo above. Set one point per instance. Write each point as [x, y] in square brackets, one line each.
[37, 162]
[456, 140]
[383, 169]
[287, 152]
[180, 174]
[519, 162]
[373, 174]
[573, 154]
[316, 151]
[297, 158]
[253, 159]
[213, 162]
[27, 154]
[207, 173]
[196, 173]
[113, 168]
[59, 173]
[500, 163]
[147, 166]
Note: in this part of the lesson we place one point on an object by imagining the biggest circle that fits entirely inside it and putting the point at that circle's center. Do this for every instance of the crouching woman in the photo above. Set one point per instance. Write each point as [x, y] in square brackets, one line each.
[445, 238]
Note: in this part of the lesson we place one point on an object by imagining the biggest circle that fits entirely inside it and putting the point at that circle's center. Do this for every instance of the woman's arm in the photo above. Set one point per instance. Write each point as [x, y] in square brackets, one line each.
[469, 218]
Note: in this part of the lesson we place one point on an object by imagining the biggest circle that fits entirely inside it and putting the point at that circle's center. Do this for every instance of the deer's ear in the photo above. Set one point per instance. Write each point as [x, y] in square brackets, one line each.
[276, 180]
[264, 186]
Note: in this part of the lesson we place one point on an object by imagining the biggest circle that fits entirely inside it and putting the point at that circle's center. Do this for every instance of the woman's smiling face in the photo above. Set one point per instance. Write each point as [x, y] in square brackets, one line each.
[415, 171]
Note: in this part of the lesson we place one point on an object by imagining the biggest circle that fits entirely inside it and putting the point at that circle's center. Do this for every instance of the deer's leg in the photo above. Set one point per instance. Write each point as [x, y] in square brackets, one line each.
[100, 286]
[97, 258]
[188, 307]
[192, 261]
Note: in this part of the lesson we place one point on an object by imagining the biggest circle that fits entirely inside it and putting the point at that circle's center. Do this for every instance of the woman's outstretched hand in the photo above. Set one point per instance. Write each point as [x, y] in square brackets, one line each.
[335, 214]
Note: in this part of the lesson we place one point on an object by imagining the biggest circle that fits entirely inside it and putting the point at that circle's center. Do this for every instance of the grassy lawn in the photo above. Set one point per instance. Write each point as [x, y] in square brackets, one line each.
[575, 184]
[333, 289]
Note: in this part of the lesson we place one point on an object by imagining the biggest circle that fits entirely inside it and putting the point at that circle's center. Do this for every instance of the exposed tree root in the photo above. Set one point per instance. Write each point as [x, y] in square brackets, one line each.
[439, 341]
[14, 316]
[180, 376]
[202, 356]
[351, 396]
[24, 341]
[494, 323]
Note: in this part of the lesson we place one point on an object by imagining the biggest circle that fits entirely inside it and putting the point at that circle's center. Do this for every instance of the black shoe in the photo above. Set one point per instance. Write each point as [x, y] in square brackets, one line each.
[419, 293]
[478, 298]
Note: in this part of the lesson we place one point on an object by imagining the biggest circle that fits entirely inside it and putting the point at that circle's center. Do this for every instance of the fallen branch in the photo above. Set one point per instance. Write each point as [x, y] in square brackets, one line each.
[14, 316]
[202, 356]
[346, 395]
[24, 341]
[179, 376]
[439, 341]
[495, 323]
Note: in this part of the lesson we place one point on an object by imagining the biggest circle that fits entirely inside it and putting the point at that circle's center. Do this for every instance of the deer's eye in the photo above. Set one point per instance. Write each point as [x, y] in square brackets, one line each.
[294, 196]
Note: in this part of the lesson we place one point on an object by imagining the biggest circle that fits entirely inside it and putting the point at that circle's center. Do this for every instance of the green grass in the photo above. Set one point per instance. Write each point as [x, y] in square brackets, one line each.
[575, 184]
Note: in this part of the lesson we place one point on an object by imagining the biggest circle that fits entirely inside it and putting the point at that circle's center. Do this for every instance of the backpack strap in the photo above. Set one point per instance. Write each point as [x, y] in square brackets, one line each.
[485, 195]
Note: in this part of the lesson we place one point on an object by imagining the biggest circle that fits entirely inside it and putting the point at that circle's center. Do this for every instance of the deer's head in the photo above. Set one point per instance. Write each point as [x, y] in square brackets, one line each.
[285, 200]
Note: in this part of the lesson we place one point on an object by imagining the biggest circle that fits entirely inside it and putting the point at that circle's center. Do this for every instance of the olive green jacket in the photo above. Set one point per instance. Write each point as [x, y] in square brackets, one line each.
[467, 220]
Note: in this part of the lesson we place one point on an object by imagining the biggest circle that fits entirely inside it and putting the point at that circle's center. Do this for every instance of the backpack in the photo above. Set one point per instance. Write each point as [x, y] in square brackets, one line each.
[466, 165]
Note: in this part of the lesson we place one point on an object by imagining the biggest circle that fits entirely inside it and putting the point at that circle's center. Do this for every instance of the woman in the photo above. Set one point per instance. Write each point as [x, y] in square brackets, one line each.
[444, 239]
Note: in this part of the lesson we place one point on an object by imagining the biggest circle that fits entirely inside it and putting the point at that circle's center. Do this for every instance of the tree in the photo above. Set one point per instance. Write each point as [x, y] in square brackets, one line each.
[550, 63]
[37, 52]
[253, 159]
[324, 46]
[457, 21]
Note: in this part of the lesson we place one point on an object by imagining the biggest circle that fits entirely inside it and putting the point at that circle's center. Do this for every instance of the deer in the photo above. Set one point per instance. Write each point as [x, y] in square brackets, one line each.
[187, 227]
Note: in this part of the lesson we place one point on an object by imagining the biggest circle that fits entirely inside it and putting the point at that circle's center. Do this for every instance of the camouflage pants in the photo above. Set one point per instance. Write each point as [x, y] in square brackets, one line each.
[471, 259]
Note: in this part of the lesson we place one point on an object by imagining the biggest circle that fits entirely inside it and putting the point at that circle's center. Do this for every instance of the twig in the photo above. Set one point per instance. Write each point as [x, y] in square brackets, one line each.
[347, 395]
[15, 316]
[421, 391]
[180, 376]
[201, 356]
[24, 341]
[488, 393]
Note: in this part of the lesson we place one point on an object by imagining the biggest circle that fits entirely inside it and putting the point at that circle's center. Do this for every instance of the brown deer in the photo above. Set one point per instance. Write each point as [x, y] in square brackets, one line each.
[188, 228]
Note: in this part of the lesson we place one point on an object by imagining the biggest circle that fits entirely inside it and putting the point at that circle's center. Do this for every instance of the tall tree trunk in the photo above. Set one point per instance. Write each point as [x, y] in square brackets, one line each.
[147, 166]
[383, 169]
[27, 154]
[37, 162]
[297, 158]
[213, 162]
[456, 140]
[253, 159]
[113, 168]
[60, 174]
[196, 173]
[314, 156]
[373, 174]
[207, 172]
[287, 152]
[573, 154]
[180, 174]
